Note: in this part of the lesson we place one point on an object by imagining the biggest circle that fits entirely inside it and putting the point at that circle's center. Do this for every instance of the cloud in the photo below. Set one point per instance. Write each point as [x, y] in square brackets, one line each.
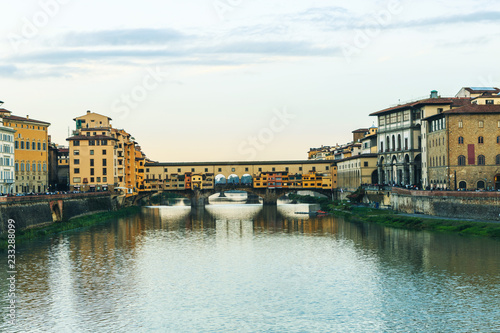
[123, 37]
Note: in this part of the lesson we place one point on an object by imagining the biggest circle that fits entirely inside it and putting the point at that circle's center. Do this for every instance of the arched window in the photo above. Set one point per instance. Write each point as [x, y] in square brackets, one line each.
[16, 144]
[22, 167]
[480, 139]
[33, 145]
[480, 184]
[460, 140]
[399, 141]
[481, 160]
[39, 167]
[17, 165]
[27, 145]
[28, 167]
[461, 160]
[44, 167]
[462, 185]
[393, 143]
[497, 160]
[387, 143]
[22, 144]
[33, 167]
[439, 161]
[444, 160]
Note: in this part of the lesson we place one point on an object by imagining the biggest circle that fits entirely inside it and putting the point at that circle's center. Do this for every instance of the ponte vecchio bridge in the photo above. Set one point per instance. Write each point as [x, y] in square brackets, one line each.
[266, 179]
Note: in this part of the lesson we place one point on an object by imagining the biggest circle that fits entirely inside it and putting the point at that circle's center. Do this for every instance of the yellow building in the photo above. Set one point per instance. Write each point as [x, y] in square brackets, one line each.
[30, 152]
[102, 157]
[356, 171]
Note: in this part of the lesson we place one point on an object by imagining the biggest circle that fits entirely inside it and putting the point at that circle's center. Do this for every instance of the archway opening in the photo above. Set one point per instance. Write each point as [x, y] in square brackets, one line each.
[462, 185]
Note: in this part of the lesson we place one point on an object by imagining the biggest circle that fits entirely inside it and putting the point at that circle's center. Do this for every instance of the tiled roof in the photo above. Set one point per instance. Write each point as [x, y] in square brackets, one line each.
[95, 137]
[17, 118]
[474, 109]
[455, 101]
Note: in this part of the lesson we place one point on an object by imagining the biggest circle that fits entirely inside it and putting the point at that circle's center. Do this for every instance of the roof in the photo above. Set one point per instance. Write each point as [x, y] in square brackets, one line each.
[475, 109]
[163, 164]
[93, 113]
[17, 118]
[357, 156]
[95, 137]
[481, 90]
[361, 130]
[454, 101]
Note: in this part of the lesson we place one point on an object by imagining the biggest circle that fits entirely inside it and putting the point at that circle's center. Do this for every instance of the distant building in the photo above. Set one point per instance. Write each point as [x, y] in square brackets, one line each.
[464, 147]
[103, 157]
[401, 142]
[7, 171]
[30, 152]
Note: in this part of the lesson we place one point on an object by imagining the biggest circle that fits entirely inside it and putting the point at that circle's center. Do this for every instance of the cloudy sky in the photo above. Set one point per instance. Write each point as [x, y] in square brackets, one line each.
[226, 80]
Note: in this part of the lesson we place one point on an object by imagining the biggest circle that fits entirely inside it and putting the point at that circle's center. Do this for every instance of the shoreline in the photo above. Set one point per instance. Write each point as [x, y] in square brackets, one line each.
[84, 221]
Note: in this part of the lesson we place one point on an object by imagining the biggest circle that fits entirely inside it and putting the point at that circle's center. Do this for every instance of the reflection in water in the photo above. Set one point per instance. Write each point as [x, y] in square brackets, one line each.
[252, 268]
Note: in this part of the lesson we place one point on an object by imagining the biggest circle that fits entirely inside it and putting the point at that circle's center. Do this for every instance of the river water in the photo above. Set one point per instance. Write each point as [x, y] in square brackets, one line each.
[248, 268]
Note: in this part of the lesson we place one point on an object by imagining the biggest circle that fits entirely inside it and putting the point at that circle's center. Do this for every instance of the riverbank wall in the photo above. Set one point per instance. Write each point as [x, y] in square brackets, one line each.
[452, 204]
[42, 210]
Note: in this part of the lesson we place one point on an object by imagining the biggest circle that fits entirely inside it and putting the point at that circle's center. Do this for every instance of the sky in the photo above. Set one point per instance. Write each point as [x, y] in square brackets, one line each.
[238, 80]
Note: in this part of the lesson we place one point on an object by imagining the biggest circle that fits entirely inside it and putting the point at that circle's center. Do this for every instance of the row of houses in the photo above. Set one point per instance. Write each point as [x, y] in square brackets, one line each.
[98, 157]
[432, 143]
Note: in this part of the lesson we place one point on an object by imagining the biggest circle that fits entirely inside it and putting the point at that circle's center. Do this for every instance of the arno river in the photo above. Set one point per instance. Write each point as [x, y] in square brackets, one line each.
[248, 268]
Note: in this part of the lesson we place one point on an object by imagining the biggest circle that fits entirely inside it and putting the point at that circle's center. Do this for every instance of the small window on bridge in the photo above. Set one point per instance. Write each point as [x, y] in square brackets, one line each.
[166, 170]
[179, 170]
[206, 169]
[260, 169]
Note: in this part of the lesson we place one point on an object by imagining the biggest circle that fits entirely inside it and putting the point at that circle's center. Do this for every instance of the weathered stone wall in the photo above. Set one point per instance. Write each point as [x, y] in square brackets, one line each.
[469, 205]
[36, 211]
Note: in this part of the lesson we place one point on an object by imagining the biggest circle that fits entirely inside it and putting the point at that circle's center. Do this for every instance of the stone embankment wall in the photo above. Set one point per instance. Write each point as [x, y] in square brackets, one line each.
[40, 210]
[456, 204]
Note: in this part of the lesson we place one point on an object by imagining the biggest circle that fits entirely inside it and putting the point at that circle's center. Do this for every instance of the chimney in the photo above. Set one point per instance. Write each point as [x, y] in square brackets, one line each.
[88, 111]
[434, 94]
[27, 116]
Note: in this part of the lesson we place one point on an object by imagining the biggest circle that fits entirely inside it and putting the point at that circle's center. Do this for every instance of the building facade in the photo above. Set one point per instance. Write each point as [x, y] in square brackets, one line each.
[7, 171]
[464, 147]
[30, 152]
[102, 157]
[401, 146]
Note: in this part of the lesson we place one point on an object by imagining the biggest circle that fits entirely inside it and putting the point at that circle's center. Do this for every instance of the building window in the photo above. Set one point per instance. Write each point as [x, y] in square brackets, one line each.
[481, 160]
[91, 142]
[98, 179]
[45, 168]
[16, 144]
[480, 139]
[498, 139]
[44, 146]
[461, 160]
[104, 151]
[365, 164]
[76, 161]
[104, 179]
[104, 171]
[481, 124]
[497, 160]
[39, 146]
[91, 152]
[490, 101]
[460, 140]
[76, 143]
[76, 152]
[462, 185]
[76, 180]
[91, 179]
[192, 169]
[179, 170]
[76, 170]
[460, 124]
[91, 162]
[91, 171]
[104, 162]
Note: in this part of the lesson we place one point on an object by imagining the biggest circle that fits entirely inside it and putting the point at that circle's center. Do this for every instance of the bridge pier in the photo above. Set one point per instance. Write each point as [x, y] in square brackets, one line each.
[271, 197]
[252, 198]
[199, 199]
